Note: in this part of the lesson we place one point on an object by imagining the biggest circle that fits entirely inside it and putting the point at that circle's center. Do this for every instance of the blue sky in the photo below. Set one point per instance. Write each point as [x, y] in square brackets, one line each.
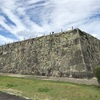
[21, 19]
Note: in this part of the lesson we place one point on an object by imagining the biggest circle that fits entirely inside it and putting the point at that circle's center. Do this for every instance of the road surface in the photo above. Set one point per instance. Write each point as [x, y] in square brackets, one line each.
[5, 96]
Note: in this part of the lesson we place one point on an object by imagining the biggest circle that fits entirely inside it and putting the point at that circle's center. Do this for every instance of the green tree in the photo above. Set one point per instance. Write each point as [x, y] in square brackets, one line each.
[96, 72]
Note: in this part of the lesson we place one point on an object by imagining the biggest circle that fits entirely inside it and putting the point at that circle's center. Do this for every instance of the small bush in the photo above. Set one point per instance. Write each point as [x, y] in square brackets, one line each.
[96, 72]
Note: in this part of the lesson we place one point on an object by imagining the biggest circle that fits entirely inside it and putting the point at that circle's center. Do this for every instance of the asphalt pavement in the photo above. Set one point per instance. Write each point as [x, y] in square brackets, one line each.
[5, 96]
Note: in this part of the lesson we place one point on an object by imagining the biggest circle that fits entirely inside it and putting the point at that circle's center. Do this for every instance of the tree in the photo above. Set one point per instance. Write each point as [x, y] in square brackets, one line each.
[96, 72]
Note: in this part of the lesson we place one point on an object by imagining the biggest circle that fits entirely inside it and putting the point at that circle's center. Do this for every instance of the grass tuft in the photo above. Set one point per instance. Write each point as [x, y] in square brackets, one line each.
[45, 89]
[11, 85]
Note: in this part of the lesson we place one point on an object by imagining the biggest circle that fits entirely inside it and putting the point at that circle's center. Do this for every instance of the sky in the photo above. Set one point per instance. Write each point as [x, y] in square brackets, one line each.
[24, 19]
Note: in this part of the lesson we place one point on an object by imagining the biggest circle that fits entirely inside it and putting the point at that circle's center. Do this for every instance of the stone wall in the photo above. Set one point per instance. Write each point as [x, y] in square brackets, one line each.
[91, 51]
[63, 54]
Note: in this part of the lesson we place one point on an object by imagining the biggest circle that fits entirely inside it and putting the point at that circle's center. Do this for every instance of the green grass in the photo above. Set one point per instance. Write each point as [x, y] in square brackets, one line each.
[48, 90]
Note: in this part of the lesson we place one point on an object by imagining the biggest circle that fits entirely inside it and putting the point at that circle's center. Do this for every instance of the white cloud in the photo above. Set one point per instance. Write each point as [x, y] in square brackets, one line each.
[4, 40]
[36, 17]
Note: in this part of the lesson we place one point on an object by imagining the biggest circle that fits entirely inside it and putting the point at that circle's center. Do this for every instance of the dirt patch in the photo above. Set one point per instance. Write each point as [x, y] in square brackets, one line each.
[92, 81]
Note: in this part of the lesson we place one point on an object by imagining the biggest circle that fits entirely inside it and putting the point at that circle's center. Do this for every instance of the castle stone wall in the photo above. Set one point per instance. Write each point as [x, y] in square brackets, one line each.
[91, 51]
[63, 55]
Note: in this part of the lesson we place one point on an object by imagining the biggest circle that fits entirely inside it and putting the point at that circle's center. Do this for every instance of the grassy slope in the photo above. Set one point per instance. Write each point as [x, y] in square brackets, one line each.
[48, 90]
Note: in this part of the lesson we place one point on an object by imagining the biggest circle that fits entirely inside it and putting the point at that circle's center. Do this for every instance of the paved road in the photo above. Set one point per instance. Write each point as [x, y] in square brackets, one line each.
[4, 96]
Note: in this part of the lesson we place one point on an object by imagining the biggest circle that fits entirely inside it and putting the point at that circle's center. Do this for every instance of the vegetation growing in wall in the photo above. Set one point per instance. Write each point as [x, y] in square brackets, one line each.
[97, 73]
